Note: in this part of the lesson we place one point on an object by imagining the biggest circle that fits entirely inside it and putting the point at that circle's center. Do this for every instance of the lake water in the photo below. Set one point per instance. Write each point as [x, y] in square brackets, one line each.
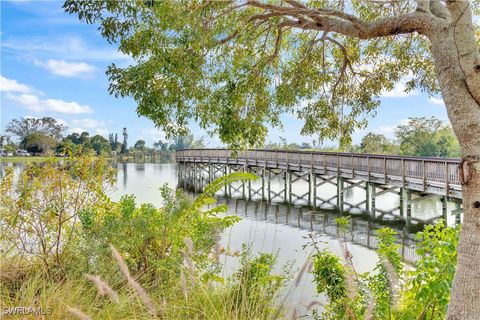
[273, 228]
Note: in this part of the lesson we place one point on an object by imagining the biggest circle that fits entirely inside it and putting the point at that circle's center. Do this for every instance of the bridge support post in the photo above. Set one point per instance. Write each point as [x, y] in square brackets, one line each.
[458, 212]
[290, 188]
[310, 189]
[314, 190]
[445, 210]
[180, 175]
[285, 185]
[194, 177]
[225, 172]
[408, 219]
[341, 195]
[367, 198]
[269, 186]
[373, 211]
[185, 176]
[243, 183]
[230, 185]
[338, 191]
[401, 195]
[210, 173]
[263, 183]
[249, 188]
[287, 214]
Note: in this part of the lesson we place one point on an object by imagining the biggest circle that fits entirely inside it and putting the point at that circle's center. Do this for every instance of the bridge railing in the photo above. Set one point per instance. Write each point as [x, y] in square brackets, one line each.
[426, 169]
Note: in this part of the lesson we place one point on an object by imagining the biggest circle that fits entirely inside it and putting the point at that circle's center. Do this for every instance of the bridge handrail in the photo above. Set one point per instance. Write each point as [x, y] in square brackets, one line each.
[426, 169]
[371, 155]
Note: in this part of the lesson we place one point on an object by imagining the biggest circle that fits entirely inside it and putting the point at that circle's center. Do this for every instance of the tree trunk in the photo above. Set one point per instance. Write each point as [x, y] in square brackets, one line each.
[464, 114]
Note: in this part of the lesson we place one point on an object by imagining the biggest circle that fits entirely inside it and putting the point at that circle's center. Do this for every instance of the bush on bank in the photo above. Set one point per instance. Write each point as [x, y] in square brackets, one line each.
[390, 291]
[71, 250]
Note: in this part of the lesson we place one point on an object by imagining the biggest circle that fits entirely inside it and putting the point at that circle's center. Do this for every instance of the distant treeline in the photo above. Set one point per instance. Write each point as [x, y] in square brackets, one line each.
[41, 135]
[418, 137]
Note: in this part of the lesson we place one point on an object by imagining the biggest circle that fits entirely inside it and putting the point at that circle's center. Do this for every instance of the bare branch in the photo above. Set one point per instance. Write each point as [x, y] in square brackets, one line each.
[346, 24]
[226, 11]
[383, 1]
[265, 16]
[278, 43]
[228, 38]
[296, 4]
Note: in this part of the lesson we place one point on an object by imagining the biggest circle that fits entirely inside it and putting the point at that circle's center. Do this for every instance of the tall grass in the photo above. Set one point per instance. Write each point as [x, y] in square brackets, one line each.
[93, 297]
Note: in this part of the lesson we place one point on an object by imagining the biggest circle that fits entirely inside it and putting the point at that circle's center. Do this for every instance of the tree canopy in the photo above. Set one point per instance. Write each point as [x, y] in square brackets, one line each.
[36, 134]
[427, 137]
[235, 67]
[377, 143]
[140, 145]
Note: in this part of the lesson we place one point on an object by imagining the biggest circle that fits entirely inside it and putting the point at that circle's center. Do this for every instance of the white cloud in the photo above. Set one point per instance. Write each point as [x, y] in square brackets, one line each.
[60, 47]
[389, 131]
[102, 131]
[152, 134]
[437, 101]
[67, 69]
[91, 125]
[33, 103]
[386, 129]
[10, 85]
[77, 130]
[88, 123]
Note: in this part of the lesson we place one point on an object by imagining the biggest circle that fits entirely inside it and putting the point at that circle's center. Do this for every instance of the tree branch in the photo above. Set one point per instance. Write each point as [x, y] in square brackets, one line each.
[296, 4]
[346, 24]
[346, 62]
[226, 11]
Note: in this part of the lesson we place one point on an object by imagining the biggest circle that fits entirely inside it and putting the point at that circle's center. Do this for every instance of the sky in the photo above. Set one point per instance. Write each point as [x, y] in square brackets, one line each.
[53, 65]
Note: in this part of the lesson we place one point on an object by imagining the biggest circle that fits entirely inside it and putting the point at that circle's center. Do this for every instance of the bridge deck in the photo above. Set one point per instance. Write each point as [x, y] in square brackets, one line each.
[428, 175]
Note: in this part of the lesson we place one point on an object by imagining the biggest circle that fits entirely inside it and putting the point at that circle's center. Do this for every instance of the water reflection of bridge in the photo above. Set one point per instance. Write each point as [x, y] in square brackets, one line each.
[410, 179]
[361, 230]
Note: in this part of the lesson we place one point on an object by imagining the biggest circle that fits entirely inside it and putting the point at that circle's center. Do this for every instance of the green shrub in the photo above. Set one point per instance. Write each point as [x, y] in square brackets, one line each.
[40, 210]
[254, 284]
[390, 292]
[429, 285]
[165, 265]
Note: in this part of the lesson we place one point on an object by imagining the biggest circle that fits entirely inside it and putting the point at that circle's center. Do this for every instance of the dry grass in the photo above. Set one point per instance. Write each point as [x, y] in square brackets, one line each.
[141, 292]
[78, 314]
[76, 297]
[103, 287]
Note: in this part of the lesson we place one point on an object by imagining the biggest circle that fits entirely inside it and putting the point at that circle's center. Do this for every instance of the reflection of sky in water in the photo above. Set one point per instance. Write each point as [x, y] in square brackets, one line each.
[274, 229]
[144, 180]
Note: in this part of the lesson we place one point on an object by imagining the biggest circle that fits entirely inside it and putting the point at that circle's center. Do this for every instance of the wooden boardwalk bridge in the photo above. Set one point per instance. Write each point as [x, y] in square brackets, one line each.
[412, 179]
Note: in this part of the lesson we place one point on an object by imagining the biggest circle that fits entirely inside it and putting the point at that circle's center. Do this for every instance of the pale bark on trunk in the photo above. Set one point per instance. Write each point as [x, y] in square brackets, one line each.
[453, 53]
